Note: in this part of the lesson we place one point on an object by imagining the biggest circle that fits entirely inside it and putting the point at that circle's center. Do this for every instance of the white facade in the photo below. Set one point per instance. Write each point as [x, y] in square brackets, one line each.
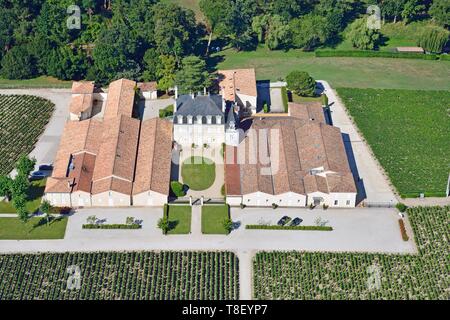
[111, 199]
[260, 199]
[59, 199]
[149, 198]
[194, 131]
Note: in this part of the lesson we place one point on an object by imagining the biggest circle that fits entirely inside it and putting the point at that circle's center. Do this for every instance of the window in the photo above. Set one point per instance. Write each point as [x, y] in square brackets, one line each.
[336, 202]
[348, 202]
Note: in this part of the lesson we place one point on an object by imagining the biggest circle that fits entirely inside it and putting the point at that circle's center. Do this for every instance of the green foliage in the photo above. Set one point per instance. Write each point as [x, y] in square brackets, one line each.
[25, 165]
[227, 225]
[309, 32]
[411, 9]
[112, 226]
[345, 276]
[5, 186]
[193, 76]
[166, 112]
[164, 275]
[166, 72]
[401, 207]
[301, 83]
[408, 133]
[440, 12]
[373, 54]
[265, 107]
[271, 30]
[177, 189]
[163, 224]
[18, 63]
[361, 36]
[433, 39]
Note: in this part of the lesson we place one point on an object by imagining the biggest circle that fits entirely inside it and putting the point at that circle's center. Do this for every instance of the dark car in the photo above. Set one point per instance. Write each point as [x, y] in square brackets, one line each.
[38, 175]
[46, 167]
[296, 222]
[284, 220]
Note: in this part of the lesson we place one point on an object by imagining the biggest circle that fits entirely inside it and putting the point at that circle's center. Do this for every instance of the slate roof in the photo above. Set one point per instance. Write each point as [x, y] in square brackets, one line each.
[199, 106]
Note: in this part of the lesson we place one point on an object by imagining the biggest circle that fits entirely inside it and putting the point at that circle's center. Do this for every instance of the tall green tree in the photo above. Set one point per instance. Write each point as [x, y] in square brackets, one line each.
[175, 31]
[18, 63]
[166, 72]
[412, 9]
[309, 31]
[5, 187]
[218, 15]
[45, 209]
[271, 30]
[193, 76]
[25, 165]
[440, 12]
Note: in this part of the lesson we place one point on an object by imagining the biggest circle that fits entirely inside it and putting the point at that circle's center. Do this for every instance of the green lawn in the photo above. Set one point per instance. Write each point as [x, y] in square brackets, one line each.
[34, 229]
[409, 133]
[34, 198]
[198, 173]
[380, 73]
[180, 219]
[212, 218]
[40, 82]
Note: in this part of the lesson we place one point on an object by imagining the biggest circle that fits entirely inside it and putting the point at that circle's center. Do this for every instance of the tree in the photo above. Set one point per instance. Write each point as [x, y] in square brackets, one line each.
[177, 189]
[164, 224]
[271, 30]
[361, 36]
[19, 203]
[166, 72]
[45, 208]
[66, 63]
[175, 31]
[218, 15]
[301, 83]
[19, 186]
[5, 187]
[227, 224]
[392, 9]
[193, 76]
[440, 12]
[411, 9]
[152, 65]
[309, 31]
[25, 165]
[18, 63]
[433, 39]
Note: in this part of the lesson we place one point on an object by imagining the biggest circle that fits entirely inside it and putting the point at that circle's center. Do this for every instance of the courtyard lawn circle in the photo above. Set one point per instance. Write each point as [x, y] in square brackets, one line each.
[198, 173]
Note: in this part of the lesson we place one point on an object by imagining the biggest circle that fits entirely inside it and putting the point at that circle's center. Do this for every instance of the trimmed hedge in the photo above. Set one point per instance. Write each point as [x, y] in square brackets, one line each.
[426, 194]
[306, 228]
[445, 57]
[112, 226]
[284, 96]
[373, 54]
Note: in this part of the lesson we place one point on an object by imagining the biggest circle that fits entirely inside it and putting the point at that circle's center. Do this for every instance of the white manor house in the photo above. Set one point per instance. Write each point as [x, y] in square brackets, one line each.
[109, 157]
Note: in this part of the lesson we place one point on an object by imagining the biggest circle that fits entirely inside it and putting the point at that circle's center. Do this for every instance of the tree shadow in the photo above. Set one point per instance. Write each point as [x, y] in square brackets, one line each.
[173, 224]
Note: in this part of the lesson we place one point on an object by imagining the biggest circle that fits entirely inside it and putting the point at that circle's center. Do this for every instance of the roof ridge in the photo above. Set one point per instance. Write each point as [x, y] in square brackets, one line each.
[324, 145]
[153, 156]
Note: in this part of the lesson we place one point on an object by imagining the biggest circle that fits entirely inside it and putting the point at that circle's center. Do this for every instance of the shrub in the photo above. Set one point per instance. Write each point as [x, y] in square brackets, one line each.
[223, 191]
[243, 206]
[265, 107]
[401, 207]
[274, 206]
[373, 54]
[177, 189]
[301, 83]
[445, 57]
[60, 210]
[271, 227]
[164, 224]
[433, 39]
[361, 36]
[325, 100]
[227, 225]
[284, 96]
[403, 230]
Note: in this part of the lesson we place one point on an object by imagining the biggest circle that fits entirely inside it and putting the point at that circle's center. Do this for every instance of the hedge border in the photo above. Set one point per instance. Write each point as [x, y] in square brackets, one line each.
[374, 54]
[403, 230]
[112, 226]
[306, 228]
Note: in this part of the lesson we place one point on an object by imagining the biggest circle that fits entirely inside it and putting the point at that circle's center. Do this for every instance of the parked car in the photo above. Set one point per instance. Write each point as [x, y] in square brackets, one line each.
[38, 175]
[46, 167]
[296, 222]
[283, 221]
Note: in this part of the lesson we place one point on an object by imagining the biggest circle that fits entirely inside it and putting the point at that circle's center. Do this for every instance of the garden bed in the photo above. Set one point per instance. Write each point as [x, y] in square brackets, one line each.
[306, 228]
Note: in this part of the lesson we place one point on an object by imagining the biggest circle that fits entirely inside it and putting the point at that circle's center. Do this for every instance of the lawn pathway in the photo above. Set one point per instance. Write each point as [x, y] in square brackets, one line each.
[196, 221]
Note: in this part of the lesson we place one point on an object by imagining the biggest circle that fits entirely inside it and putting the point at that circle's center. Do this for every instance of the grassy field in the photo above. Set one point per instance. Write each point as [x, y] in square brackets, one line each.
[40, 82]
[34, 198]
[180, 219]
[121, 276]
[189, 4]
[409, 133]
[213, 217]
[354, 276]
[340, 72]
[198, 173]
[34, 229]
[22, 121]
